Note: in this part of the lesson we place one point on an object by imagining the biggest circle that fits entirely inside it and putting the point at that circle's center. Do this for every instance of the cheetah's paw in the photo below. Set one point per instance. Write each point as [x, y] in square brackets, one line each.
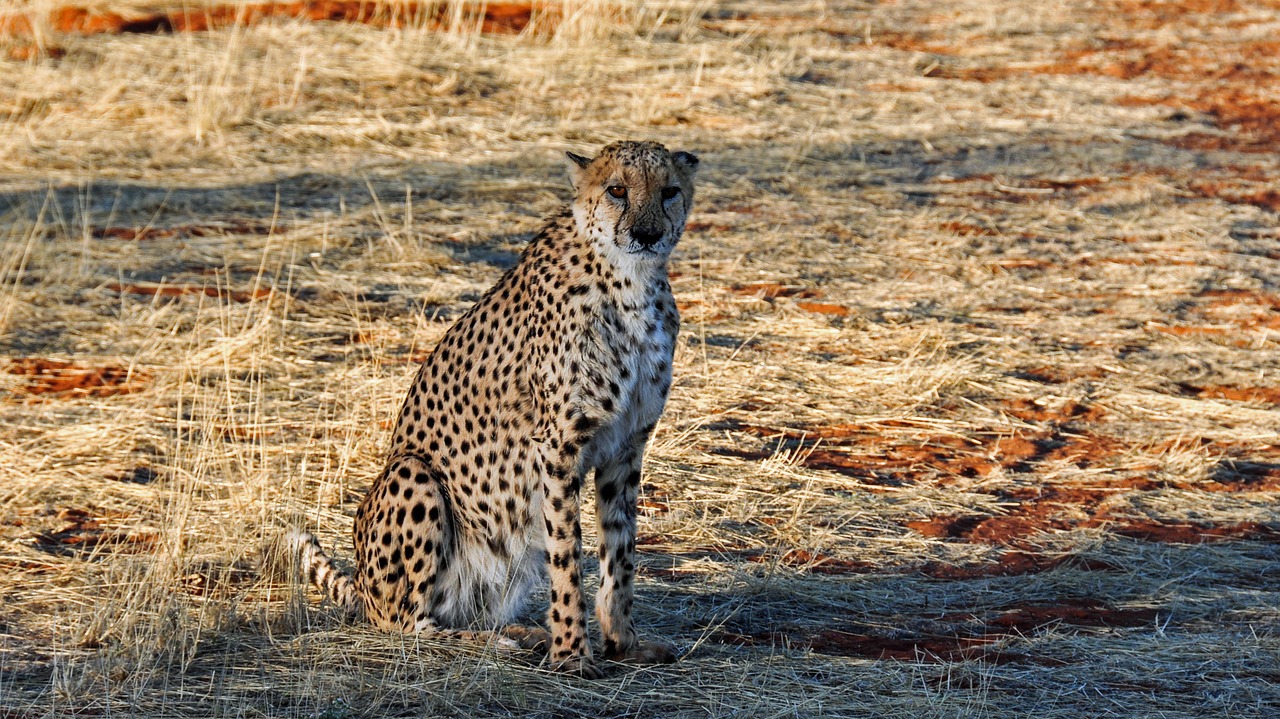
[646, 653]
[584, 667]
[535, 638]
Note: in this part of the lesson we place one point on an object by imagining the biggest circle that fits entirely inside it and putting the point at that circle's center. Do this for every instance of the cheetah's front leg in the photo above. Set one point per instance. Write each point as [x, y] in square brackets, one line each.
[567, 613]
[617, 490]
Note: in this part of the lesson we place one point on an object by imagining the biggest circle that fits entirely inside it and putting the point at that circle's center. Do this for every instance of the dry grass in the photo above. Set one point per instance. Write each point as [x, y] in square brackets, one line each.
[976, 407]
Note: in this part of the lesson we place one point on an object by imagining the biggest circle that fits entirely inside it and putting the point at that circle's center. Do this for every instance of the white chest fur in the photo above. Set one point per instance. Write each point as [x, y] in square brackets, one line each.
[643, 343]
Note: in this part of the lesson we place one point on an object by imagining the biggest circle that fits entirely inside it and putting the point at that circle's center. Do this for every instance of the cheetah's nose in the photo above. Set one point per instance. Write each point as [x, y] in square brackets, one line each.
[646, 237]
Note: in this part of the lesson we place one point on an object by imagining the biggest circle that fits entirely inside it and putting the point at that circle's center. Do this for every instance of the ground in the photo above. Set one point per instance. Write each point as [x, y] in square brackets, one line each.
[976, 397]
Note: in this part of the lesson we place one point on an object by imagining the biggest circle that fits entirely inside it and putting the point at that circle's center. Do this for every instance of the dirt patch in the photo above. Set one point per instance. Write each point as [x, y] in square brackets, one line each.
[825, 308]
[1029, 618]
[1244, 475]
[1070, 411]
[1251, 123]
[969, 638]
[856, 452]
[1231, 298]
[498, 17]
[1075, 507]
[1260, 395]
[85, 530]
[770, 290]
[814, 562]
[1036, 510]
[849, 643]
[155, 289]
[1236, 192]
[1012, 563]
[1225, 313]
[1224, 74]
[967, 229]
[62, 378]
[1151, 14]
[32, 51]
[1183, 533]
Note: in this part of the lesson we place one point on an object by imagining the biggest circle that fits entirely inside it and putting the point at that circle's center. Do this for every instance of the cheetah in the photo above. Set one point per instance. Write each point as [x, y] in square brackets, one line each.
[559, 371]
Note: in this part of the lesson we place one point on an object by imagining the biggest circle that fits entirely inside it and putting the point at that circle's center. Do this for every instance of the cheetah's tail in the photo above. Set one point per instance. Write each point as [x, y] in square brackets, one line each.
[321, 571]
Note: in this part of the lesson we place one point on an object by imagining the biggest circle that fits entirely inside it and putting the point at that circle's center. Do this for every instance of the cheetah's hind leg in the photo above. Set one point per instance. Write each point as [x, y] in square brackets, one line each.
[405, 550]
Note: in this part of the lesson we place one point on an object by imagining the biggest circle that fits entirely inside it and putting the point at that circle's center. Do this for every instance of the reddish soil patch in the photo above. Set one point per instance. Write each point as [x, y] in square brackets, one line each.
[1160, 13]
[853, 451]
[1230, 298]
[652, 507]
[1074, 507]
[770, 290]
[1253, 123]
[908, 41]
[1242, 62]
[1012, 563]
[153, 289]
[966, 643]
[1234, 192]
[653, 500]
[707, 311]
[1070, 411]
[1267, 395]
[60, 378]
[1243, 475]
[1182, 533]
[84, 530]
[922, 649]
[23, 53]
[824, 308]
[814, 562]
[966, 229]
[1232, 310]
[1225, 75]
[1250, 120]
[1190, 330]
[848, 643]
[499, 17]
[1028, 618]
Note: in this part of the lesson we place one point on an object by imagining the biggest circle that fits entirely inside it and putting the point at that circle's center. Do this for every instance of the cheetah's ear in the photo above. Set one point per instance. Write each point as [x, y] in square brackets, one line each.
[577, 167]
[687, 161]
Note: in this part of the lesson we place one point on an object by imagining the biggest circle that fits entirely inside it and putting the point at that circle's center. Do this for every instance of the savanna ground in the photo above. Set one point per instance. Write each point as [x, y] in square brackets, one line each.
[976, 409]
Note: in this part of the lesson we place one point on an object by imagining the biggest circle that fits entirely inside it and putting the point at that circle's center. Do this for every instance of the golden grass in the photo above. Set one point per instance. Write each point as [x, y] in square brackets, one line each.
[969, 345]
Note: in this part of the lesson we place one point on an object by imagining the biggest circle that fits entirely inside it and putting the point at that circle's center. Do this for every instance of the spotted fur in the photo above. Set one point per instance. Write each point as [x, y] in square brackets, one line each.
[560, 371]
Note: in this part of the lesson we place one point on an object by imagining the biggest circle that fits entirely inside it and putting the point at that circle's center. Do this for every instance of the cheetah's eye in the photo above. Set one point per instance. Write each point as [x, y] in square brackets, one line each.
[670, 192]
[617, 191]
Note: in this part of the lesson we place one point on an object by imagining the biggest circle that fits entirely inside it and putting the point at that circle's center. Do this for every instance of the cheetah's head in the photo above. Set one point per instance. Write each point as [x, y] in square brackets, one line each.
[633, 198]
